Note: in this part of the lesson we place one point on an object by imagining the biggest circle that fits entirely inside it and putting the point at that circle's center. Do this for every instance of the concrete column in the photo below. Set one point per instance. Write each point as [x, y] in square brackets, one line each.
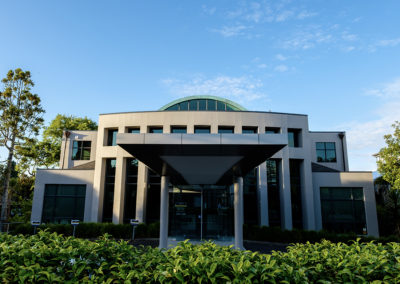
[141, 197]
[307, 195]
[238, 206]
[164, 212]
[119, 191]
[284, 194]
[262, 192]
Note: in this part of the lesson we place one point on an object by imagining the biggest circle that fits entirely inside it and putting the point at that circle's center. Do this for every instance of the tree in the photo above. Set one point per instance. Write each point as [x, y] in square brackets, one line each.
[46, 153]
[389, 167]
[20, 117]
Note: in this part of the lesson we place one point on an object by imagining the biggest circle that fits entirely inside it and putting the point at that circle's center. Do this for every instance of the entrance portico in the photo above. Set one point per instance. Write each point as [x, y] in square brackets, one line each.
[202, 159]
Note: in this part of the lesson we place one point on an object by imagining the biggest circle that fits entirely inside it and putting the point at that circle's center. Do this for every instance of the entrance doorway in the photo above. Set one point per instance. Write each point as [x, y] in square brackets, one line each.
[201, 213]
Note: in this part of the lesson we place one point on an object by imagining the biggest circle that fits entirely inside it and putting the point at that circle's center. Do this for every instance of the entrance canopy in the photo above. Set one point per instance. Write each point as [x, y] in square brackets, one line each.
[202, 158]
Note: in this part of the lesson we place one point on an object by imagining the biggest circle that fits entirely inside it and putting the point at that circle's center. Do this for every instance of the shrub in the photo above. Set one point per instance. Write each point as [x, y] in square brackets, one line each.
[50, 257]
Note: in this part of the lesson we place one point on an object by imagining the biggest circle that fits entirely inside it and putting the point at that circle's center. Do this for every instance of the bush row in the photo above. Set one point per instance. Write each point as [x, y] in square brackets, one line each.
[256, 233]
[92, 230]
[49, 257]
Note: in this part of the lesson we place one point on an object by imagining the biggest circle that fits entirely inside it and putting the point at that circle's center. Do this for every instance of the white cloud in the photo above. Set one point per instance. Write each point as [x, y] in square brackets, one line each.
[284, 15]
[348, 36]
[230, 31]
[388, 42]
[366, 138]
[262, 66]
[242, 89]
[281, 68]
[209, 10]
[280, 57]
[306, 14]
[308, 38]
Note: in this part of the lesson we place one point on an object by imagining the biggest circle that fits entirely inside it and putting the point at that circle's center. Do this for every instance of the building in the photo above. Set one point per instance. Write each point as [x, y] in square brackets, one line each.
[203, 166]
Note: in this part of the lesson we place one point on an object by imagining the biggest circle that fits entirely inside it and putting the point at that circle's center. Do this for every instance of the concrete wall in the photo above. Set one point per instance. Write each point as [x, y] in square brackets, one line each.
[44, 177]
[348, 179]
[66, 148]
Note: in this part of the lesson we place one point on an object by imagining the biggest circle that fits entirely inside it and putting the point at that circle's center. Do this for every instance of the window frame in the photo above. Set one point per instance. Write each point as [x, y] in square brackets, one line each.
[325, 150]
[80, 150]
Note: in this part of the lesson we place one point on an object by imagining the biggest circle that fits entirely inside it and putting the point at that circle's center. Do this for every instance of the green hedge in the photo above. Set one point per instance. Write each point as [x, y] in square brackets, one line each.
[256, 233]
[49, 257]
[93, 230]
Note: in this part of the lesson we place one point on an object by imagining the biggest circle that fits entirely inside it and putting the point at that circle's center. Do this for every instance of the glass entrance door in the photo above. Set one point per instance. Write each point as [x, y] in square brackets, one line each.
[201, 212]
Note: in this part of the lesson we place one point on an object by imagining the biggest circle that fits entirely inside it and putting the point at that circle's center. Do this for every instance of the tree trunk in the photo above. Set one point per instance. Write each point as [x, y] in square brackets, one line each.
[6, 185]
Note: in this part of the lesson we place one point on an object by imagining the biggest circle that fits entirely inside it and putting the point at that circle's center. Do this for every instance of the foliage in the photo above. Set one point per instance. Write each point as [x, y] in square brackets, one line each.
[46, 153]
[49, 257]
[93, 230]
[389, 158]
[20, 117]
[389, 166]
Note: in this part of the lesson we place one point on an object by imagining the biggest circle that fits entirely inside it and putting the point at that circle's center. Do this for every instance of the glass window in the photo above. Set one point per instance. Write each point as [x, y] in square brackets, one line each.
[130, 189]
[326, 152]
[184, 106]
[178, 129]
[112, 137]
[108, 202]
[81, 150]
[225, 129]
[211, 104]
[134, 130]
[294, 137]
[295, 190]
[220, 106]
[201, 129]
[249, 130]
[274, 211]
[342, 209]
[229, 107]
[173, 107]
[202, 105]
[193, 105]
[155, 129]
[63, 203]
[272, 130]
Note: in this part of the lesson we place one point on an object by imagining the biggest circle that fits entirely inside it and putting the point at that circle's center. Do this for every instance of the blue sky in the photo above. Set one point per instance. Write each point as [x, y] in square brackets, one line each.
[337, 61]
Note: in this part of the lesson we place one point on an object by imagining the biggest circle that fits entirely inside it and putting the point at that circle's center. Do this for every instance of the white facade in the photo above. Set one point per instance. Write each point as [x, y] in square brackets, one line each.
[314, 174]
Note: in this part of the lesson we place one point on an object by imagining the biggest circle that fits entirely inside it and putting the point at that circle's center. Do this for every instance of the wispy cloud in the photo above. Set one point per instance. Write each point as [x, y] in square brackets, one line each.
[281, 68]
[280, 57]
[230, 31]
[384, 43]
[242, 89]
[308, 38]
[208, 10]
[366, 138]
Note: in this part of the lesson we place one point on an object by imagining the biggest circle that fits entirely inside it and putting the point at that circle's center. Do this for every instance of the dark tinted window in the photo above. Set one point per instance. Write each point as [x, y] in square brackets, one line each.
[202, 105]
[272, 130]
[294, 137]
[134, 130]
[81, 150]
[63, 203]
[225, 129]
[112, 137]
[155, 129]
[249, 130]
[202, 129]
[178, 129]
[108, 201]
[326, 152]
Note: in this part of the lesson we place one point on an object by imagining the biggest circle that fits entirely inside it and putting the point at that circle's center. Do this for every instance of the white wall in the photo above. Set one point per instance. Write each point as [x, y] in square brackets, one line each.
[348, 179]
[53, 176]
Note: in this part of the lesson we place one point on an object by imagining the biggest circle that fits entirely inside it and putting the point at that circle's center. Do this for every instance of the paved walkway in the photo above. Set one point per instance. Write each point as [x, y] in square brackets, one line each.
[262, 247]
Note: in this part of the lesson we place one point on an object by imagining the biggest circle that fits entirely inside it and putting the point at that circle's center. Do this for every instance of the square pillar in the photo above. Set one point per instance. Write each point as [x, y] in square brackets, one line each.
[285, 194]
[119, 191]
[238, 216]
[262, 193]
[141, 196]
[164, 212]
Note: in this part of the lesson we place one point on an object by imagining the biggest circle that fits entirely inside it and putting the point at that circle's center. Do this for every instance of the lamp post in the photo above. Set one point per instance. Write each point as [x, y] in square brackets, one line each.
[134, 223]
[74, 223]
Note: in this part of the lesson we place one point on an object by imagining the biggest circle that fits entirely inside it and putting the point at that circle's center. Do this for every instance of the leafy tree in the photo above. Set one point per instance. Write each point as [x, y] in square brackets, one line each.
[20, 117]
[389, 166]
[46, 153]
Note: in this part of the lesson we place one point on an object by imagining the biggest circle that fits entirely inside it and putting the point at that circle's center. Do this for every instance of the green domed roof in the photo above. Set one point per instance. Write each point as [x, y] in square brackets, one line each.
[203, 103]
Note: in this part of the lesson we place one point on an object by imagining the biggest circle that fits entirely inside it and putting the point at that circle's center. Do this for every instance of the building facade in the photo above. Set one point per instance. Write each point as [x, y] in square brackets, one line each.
[203, 166]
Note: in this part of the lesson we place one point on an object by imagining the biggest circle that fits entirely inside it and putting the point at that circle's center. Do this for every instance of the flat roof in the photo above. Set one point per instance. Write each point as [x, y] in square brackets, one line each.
[206, 111]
